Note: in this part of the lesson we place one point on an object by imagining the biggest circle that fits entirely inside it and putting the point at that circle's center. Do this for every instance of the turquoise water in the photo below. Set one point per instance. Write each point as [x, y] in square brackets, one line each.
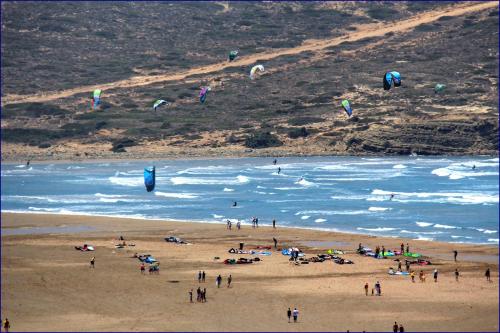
[441, 198]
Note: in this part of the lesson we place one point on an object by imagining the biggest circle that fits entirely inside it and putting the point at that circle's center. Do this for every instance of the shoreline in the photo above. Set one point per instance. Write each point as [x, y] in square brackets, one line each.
[264, 225]
[124, 220]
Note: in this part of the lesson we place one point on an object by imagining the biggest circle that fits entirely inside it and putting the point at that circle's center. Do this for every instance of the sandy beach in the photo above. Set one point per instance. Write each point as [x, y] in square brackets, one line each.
[49, 286]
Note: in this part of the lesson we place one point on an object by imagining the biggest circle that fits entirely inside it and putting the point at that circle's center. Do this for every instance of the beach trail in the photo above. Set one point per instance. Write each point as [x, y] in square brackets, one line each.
[363, 31]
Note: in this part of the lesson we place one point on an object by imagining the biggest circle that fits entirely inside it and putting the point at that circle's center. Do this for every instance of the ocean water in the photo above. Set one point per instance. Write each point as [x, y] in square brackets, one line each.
[435, 198]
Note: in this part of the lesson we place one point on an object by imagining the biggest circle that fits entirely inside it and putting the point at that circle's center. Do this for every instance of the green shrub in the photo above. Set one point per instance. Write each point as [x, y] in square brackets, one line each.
[262, 140]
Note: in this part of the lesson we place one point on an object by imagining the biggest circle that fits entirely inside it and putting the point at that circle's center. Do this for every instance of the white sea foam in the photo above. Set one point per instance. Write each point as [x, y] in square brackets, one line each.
[304, 182]
[217, 216]
[399, 166]
[100, 195]
[378, 209]
[422, 238]
[333, 212]
[493, 240]
[424, 224]
[421, 232]
[305, 217]
[211, 170]
[379, 229]
[438, 197]
[210, 181]
[176, 195]
[444, 226]
[320, 220]
[127, 181]
[228, 189]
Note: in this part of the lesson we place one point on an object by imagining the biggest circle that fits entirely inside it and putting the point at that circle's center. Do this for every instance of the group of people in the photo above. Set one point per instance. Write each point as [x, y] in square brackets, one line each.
[294, 314]
[201, 295]
[255, 222]
[218, 281]
[229, 225]
[376, 290]
[397, 328]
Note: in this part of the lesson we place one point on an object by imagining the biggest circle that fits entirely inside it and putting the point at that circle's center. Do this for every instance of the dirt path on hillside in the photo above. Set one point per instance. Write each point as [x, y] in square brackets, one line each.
[364, 31]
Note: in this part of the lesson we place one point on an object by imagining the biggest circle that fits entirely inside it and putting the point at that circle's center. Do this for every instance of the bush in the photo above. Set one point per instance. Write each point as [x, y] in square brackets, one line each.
[299, 121]
[297, 133]
[262, 140]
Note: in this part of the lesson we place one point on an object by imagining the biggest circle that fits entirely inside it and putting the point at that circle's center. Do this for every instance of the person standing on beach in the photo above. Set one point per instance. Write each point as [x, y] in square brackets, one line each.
[412, 274]
[204, 294]
[289, 314]
[395, 327]
[229, 279]
[6, 325]
[402, 248]
[92, 262]
[435, 275]
[143, 269]
[218, 281]
[455, 254]
[238, 225]
[257, 222]
[274, 224]
[457, 274]
[488, 275]
[203, 276]
[401, 328]
[198, 294]
[366, 289]
[407, 264]
[275, 243]
[407, 248]
[191, 296]
[399, 266]
[199, 276]
[295, 315]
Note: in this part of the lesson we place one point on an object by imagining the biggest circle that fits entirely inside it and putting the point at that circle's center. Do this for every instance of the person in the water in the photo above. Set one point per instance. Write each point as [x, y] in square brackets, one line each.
[392, 197]
[474, 167]
[28, 163]
[235, 204]
[275, 161]
[279, 170]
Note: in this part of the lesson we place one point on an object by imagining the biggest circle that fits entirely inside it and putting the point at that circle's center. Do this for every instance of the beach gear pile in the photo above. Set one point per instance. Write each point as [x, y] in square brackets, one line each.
[241, 261]
[366, 251]
[84, 248]
[176, 240]
[252, 252]
[147, 258]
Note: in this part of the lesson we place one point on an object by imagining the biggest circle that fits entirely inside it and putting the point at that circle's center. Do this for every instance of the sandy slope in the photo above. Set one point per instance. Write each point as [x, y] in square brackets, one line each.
[48, 286]
[364, 31]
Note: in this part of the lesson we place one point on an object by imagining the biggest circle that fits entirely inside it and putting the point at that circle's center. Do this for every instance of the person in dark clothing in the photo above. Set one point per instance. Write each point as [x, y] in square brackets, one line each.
[275, 243]
[229, 279]
[92, 262]
[279, 170]
[6, 325]
[402, 248]
[274, 224]
[204, 294]
[488, 275]
[457, 274]
[198, 294]
[199, 276]
[407, 248]
[455, 254]
[289, 314]
[235, 204]
[191, 296]
[366, 288]
[401, 328]
[395, 327]
[203, 276]
[275, 161]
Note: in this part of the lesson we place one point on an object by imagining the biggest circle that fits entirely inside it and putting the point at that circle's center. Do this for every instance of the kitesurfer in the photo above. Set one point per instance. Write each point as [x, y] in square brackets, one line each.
[474, 167]
[392, 197]
[275, 161]
[28, 163]
[279, 170]
[235, 204]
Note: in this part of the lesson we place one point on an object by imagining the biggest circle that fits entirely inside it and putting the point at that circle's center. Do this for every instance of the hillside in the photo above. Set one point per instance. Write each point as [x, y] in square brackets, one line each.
[315, 55]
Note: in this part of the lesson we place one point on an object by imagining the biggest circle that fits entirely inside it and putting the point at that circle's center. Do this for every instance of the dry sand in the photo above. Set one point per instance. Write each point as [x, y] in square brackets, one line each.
[48, 286]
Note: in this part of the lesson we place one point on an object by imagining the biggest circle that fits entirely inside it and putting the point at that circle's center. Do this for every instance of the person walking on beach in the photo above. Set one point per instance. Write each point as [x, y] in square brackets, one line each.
[203, 276]
[256, 222]
[366, 289]
[395, 327]
[238, 225]
[275, 243]
[435, 275]
[407, 264]
[407, 248]
[198, 294]
[488, 275]
[289, 314]
[455, 254]
[143, 269]
[457, 274]
[6, 325]
[412, 274]
[204, 294]
[199, 277]
[218, 281]
[295, 315]
[399, 266]
[191, 296]
[274, 224]
[92, 262]
[229, 279]
[402, 248]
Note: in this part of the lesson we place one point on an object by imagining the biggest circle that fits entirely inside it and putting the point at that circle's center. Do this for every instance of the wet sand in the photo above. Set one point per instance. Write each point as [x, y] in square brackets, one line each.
[48, 286]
